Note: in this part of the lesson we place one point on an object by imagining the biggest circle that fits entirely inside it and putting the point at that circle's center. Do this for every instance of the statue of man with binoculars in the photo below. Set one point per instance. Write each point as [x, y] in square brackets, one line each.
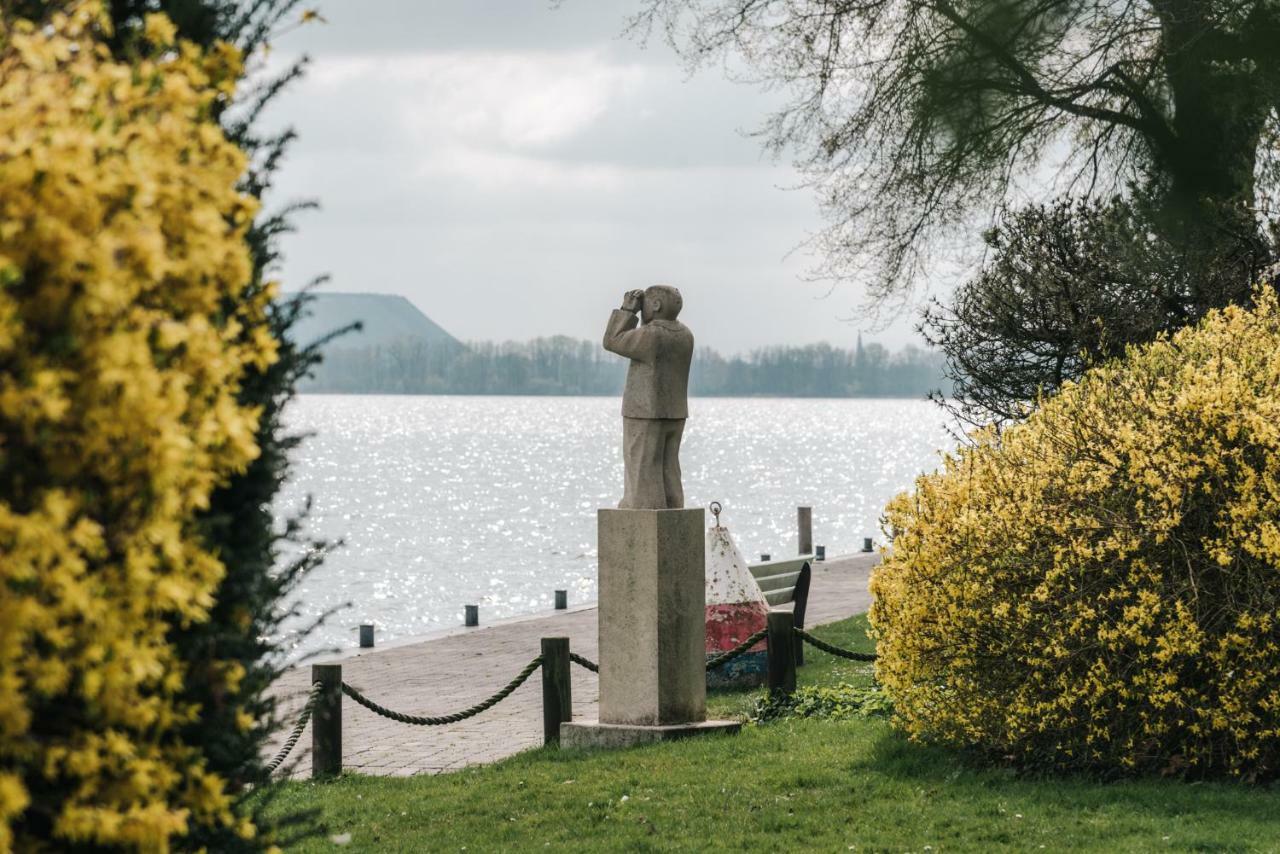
[655, 402]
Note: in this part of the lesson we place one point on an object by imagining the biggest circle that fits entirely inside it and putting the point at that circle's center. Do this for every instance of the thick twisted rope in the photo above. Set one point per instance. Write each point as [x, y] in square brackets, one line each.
[444, 719]
[835, 650]
[737, 650]
[297, 729]
[585, 662]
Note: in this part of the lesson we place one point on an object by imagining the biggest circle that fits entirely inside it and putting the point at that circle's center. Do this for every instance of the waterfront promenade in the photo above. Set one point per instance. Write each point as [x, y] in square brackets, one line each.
[452, 670]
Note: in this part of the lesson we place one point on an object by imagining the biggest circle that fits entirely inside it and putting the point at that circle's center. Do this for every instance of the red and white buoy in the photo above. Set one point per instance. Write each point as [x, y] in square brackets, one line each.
[736, 609]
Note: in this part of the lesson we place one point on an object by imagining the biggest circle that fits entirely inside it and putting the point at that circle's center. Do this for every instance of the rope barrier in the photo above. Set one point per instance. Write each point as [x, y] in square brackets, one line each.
[515, 683]
[737, 650]
[835, 650]
[585, 662]
[444, 719]
[297, 729]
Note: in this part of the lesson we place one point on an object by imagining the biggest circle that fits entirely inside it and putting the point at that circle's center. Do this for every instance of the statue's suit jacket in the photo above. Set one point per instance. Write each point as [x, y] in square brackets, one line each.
[658, 378]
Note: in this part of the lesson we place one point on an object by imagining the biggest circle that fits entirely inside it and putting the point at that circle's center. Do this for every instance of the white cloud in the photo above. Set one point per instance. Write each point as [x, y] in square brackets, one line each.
[490, 119]
[513, 100]
[489, 171]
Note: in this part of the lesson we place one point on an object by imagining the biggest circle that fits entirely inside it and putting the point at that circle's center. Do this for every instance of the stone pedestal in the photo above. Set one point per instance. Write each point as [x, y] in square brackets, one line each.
[590, 734]
[652, 630]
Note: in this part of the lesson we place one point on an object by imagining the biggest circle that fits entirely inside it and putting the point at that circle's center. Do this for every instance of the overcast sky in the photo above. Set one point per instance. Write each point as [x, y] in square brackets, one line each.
[512, 168]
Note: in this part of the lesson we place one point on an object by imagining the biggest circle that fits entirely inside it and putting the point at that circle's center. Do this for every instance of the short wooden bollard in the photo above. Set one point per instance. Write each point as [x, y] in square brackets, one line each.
[804, 521]
[326, 721]
[820, 553]
[562, 600]
[471, 615]
[866, 544]
[366, 635]
[557, 688]
[782, 655]
[801, 594]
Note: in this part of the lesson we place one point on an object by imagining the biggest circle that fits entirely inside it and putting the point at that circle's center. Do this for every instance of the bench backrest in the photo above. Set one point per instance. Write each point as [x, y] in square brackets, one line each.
[784, 581]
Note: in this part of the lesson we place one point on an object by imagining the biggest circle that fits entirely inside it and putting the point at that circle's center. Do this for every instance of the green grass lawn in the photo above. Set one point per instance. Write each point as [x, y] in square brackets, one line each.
[787, 785]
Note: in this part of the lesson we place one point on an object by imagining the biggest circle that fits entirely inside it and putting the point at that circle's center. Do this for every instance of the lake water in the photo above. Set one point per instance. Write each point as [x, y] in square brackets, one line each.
[445, 501]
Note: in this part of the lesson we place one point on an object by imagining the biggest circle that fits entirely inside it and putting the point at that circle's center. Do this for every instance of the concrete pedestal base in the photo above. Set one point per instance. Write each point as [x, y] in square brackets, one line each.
[652, 628]
[591, 734]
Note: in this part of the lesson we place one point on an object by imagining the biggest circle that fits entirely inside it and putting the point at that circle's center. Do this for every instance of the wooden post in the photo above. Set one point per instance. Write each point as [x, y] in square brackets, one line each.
[866, 544]
[562, 599]
[804, 519]
[801, 598]
[782, 656]
[557, 688]
[765, 557]
[820, 553]
[472, 615]
[326, 721]
[366, 635]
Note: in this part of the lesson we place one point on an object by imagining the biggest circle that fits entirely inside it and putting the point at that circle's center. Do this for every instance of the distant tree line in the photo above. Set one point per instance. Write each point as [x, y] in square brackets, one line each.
[567, 366]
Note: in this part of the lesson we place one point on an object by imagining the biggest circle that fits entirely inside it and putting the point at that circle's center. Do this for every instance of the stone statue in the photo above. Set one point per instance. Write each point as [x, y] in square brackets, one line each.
[655, 402]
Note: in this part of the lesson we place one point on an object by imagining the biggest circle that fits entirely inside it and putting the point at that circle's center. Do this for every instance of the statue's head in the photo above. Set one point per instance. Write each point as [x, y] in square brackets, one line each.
[661, 302]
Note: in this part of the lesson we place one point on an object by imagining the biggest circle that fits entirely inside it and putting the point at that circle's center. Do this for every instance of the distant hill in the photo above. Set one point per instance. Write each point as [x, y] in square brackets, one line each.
[387, 319]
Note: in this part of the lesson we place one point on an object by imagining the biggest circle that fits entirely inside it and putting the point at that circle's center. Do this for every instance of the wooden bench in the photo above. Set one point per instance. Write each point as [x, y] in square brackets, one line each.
[784, 581]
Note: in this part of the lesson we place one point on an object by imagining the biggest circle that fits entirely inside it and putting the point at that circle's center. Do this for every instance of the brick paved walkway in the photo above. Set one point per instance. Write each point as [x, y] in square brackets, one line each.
[444, 674]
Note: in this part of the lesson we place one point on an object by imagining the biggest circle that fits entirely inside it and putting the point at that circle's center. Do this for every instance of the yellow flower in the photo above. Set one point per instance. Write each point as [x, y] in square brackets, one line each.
[122, 240]
[159, 30]
[1097, 585]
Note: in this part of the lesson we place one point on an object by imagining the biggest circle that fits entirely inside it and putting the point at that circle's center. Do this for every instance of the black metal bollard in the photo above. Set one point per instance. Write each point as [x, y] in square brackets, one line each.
[326, 721]
[557, 688]
[366, 635]
[472, 617]
[781, 656]
[866, 544]
[562, 599]
[820, 553]
[804, 522]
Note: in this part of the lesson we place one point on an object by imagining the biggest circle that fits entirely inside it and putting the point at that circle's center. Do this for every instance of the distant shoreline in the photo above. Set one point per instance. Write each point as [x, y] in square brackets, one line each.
[692, 396]
[403, 352]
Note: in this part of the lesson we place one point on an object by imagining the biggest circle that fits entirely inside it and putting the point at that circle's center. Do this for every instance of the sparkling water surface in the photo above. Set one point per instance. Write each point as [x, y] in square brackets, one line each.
[444, 501]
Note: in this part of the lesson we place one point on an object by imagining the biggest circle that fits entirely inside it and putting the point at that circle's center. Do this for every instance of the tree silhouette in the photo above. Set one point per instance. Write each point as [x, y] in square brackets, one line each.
[909, 116]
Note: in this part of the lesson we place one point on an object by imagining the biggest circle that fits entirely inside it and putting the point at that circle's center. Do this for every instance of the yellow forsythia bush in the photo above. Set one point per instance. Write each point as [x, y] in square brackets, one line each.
[1098, 587]
[122, 244]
